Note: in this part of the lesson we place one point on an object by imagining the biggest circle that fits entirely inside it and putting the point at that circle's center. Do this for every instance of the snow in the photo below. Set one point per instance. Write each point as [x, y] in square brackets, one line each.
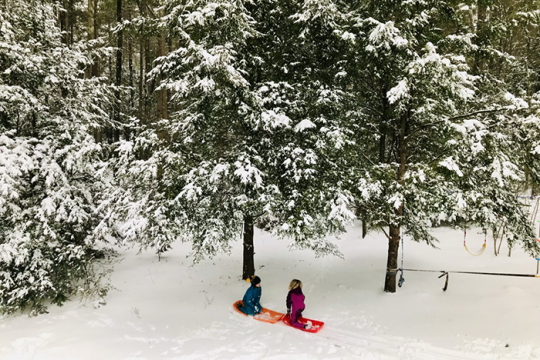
[386, 34]
[400, 91]
[517, 103]
[246, 172]
[172, 309]
[304, 124]
[450, 164]
[274, 119]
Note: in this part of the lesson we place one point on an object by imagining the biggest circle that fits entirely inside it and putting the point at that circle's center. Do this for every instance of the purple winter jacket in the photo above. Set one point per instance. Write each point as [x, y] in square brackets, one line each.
[295, 306]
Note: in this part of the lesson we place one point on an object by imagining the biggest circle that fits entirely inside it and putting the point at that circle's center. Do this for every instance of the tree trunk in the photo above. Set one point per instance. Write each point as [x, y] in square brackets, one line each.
[92, 34]
[95, 65]
[481, 34]
[383, 125]
[141, 78]
[249, 251]
[162, 112]
[364, 228]
[500, 242]
[495, 235]
[62, 19]
[66, 20]
[142, 60]
[120, 44]
[90, 31]
[162, 94]
[131, 75]
[130, 67]
[395, 228]
[71, 21]
[149, 88]
[361, 214]
[392, 261]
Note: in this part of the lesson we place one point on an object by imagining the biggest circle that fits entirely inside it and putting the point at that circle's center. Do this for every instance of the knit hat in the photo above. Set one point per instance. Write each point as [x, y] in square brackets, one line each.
[256, 280]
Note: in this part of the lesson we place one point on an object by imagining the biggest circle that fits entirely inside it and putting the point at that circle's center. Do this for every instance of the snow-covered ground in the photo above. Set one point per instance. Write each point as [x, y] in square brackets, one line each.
[170, 309]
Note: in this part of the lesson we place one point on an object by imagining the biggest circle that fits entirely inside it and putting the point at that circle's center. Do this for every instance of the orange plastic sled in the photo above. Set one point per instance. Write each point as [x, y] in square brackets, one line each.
[269, 316]
[315, 324]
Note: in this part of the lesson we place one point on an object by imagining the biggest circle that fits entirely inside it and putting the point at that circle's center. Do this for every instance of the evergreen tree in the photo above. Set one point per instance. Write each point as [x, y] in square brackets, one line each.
[426, 143]
[508, 63]
[51, 170]
[252, 135]
[302, 55]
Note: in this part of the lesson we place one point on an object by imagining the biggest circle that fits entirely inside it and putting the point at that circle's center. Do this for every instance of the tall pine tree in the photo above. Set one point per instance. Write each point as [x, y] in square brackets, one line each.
[427, 148]
[252, 137]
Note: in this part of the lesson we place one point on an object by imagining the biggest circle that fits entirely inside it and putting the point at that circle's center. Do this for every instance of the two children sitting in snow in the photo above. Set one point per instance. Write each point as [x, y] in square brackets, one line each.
[295, 301]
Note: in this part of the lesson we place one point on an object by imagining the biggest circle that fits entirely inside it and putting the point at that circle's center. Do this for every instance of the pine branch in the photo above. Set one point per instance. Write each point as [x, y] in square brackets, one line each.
[385, 233]
[486, 111]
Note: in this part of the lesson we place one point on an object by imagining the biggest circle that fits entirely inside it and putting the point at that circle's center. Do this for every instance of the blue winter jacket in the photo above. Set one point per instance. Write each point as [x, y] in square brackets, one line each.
[251, 300]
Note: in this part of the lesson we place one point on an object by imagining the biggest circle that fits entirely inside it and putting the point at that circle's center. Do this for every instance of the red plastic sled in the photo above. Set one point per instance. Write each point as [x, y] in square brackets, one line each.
[315, 324]
[267, 315]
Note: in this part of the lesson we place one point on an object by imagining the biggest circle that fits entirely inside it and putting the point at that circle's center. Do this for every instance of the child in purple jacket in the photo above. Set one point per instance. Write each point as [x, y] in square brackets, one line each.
[295, 304]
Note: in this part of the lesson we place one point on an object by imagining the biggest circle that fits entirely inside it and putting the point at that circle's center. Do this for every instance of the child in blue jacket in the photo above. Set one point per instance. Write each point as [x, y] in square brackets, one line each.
[251, 301]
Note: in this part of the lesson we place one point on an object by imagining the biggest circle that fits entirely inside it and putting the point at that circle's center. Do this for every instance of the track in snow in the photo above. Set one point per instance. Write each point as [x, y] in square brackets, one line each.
[394, 348]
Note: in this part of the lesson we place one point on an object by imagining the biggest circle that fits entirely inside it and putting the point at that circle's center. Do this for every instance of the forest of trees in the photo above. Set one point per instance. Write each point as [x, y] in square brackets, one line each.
[145, 122]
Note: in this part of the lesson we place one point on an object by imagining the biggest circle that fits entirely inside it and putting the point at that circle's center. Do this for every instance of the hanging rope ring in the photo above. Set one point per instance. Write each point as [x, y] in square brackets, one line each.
[482, 249]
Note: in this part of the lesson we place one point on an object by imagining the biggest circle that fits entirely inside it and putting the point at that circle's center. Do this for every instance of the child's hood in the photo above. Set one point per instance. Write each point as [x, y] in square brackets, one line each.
[297, 291]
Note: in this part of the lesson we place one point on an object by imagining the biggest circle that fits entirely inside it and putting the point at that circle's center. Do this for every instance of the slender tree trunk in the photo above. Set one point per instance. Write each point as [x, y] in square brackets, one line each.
[65, 18]
[98, 132]
[162, 94]
[90, 30]
[130, 67]
[108, 130]
[62, 19]
[142, 67]
[395, 229]
[131, 75]
[34, 124]
[361, 214]
[141, 78]
[383, 125]
[95, 65]
[495, 235]
[162, 102]
[92, 34]
[481, 34]
[249, 251]
[142, 86]
[383, 129]
[500, 242]
[71, 22]
[364, 228]
[382, 143]
[120, 45]
[149, 88]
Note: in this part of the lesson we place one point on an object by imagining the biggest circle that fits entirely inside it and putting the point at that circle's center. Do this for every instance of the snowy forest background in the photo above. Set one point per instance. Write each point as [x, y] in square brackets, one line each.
[145, 122]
